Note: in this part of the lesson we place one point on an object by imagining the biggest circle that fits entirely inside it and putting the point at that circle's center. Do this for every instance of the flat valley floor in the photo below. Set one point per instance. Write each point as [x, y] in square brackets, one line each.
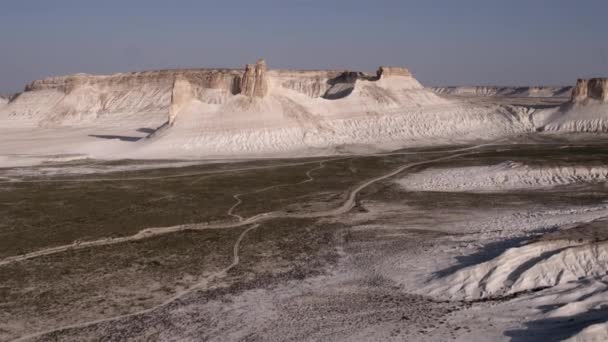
[502, 240]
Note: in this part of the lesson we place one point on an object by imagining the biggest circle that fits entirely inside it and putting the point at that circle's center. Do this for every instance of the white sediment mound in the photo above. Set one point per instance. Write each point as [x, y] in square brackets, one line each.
[256, 111]
[490, 91]
[587, 110]
[534, 266]
[502, 177]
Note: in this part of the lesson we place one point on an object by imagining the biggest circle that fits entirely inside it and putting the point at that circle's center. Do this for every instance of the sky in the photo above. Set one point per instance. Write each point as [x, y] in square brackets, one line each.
[464, 42]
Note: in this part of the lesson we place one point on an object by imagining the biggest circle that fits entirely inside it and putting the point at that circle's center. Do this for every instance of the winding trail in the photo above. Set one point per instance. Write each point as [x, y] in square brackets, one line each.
[199, 285]
[254, 221]
[151, 232]
[237, 197]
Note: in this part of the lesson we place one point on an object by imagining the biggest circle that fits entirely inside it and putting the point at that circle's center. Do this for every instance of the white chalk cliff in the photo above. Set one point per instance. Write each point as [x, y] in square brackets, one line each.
[283, 111]
[252, 112]
[587, 110]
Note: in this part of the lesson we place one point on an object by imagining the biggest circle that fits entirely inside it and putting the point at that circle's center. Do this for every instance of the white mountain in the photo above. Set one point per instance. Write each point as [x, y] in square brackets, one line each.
[587, 111]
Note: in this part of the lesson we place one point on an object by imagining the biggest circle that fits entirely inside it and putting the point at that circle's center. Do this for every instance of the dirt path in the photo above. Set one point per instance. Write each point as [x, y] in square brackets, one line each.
[199, 285]
[237, 197]
[151, 232]
[253, 221]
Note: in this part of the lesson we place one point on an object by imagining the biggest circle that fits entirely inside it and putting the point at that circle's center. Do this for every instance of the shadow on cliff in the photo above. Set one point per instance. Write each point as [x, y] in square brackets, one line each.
[557, 328]
[489, 252]
[344, 84]
[119, 137]
[147, 131]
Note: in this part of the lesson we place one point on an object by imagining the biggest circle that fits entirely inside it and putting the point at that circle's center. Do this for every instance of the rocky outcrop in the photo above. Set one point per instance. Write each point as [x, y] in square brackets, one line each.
[579, 92]
[82, 99]
[343, 85]
[594, 88]
[249, 112]
[587, 110]
[181, 94]
[386, 71]
[254, 82]
[312, 83]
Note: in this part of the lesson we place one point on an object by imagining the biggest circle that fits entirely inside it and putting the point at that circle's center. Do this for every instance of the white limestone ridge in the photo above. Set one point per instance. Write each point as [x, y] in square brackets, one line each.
[257, 111]
[574, 255]
[587, 110]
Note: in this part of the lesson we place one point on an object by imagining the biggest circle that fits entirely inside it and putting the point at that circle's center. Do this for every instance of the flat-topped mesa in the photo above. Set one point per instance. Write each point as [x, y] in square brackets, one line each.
[386, 71]
[594, 88]
[203, 78]
[254, 82]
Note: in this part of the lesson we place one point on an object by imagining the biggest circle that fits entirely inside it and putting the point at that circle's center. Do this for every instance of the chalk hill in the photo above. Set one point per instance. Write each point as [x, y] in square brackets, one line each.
[243, 112]
[587, 110]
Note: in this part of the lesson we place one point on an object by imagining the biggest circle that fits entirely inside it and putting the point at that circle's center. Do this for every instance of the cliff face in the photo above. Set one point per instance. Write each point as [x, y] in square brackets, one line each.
[587, 110]
[313, 83]
[385, 71]
[83, 98]
[181, 94]
[253, 111]
[87, 97]
[594, 89]
[254, 82]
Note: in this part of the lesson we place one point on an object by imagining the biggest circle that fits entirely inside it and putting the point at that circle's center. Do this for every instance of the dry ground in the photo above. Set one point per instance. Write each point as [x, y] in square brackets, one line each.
[341, 277]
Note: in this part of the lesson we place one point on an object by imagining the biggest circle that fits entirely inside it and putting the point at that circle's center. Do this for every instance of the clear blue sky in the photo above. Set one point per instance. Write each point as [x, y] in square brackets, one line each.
[450, 42]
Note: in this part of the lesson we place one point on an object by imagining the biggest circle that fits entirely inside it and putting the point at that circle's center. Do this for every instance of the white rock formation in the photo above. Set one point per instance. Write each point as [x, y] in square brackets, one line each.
[537, 265]
[254, 82]
[385, 71]
[587, 110]
[592, 89]
[181, 95]
[256, 111]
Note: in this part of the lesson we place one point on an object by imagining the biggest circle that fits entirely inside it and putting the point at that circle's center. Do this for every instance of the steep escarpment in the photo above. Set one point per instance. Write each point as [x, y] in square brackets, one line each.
[254, 82]
[253, 111]
[386, 71]
[181, 93]
[490, 91]
[82, 98]
[587, 110]
[591, 89]
[327, 110]
[312, 84]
